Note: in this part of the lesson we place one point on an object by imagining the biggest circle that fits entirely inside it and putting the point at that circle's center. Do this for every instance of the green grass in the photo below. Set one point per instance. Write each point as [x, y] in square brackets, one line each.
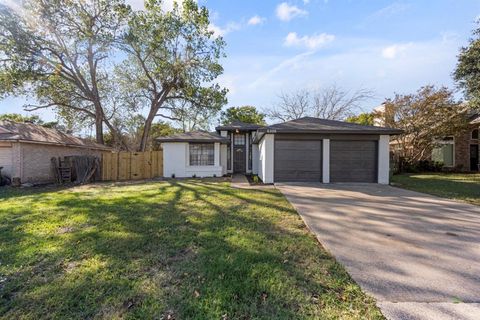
[463, 187]
[184, 250]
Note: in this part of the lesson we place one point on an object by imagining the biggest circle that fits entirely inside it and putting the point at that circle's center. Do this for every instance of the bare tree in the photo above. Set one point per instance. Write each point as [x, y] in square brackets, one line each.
[328, 103]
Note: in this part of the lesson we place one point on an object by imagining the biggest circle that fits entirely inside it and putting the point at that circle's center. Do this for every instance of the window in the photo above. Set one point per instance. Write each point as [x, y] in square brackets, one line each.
[475, 134]
[239, 139]
[202, 154]
[445, 152]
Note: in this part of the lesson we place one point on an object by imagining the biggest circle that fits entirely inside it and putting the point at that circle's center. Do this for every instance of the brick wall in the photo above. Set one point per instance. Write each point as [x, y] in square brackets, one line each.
[35, 162]
[462, 149]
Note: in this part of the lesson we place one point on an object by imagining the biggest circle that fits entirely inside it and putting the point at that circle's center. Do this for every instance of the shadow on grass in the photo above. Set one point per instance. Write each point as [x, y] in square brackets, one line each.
[187, 248]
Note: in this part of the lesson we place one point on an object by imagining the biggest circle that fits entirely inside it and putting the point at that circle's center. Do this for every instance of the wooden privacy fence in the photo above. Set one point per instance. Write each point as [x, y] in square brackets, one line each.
[132, 165]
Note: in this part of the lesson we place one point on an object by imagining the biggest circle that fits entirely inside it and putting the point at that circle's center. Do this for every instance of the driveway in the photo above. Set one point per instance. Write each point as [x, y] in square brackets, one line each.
[417, 255]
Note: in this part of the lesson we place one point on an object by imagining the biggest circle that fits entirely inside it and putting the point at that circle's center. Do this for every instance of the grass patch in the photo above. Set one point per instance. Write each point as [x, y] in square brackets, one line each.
[463, 187]
[166, 250]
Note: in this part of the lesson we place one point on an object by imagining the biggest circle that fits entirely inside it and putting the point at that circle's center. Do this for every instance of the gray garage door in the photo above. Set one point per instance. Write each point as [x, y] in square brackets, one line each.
[297, 160]
[353, 161]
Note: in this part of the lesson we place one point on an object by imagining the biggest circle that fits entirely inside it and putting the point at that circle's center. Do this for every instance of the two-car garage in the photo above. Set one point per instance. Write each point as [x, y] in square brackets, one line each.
[300, 158]
[322, 150]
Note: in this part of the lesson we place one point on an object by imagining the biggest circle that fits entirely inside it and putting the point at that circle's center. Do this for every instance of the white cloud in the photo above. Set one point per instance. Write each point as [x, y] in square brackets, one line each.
[311, 42]
[393, 51]
[392, 9]
[286, 12]
[222, 31]
[255, 20]
[306, 1]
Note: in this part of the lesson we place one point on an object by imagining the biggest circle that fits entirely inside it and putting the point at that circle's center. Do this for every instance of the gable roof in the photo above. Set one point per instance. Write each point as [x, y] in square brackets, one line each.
[317, 125]
[194, 136]
[28, 132]
[239, 125]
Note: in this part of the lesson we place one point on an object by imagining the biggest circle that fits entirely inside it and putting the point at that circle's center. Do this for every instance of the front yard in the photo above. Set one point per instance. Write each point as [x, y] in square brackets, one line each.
[166, 250]
[464, 187]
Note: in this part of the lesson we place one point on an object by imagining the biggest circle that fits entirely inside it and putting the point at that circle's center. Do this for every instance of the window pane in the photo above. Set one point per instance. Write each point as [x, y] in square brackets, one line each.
[475, 134]
[202, 154]
[448, 155]
[239, 139]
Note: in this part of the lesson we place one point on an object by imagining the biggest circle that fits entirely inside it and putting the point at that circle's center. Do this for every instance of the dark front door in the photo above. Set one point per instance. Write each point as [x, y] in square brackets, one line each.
[474, 157]
[239, 157]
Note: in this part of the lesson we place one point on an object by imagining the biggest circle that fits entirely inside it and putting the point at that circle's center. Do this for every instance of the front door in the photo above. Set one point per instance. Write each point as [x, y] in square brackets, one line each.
[239, 158]
[474, 157]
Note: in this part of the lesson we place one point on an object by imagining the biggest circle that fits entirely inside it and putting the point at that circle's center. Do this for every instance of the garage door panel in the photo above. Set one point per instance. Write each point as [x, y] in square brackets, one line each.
[353, 161]
[298, 160]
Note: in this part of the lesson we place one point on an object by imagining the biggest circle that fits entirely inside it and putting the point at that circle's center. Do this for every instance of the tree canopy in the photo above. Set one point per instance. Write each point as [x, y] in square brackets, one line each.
[16, 117]
[366, 119]
[247, 114]
[467, 72]
[98, 62]
[331, 102]
[426, 117]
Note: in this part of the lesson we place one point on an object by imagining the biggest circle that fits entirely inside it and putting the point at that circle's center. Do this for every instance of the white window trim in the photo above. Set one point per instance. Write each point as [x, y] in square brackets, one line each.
[188, 165]
[452, 142]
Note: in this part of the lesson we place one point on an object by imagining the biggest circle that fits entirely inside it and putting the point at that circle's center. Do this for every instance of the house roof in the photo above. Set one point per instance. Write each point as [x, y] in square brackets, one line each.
[239, 125]
[194, 136]
[316, 125]
[28, 132]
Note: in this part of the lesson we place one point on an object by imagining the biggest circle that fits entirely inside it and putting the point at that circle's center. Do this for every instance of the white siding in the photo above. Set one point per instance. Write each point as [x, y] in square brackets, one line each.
[255, 158]
[326, 161]
[6, 159]
[176, 161]
[223, 158]
[266, 147]
[384, 159]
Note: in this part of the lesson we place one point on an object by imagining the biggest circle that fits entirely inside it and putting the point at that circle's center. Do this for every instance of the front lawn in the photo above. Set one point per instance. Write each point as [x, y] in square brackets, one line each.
[166, 250]
[464, 187]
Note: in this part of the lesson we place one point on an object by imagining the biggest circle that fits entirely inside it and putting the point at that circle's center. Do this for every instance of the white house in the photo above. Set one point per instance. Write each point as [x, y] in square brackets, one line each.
[306, 149]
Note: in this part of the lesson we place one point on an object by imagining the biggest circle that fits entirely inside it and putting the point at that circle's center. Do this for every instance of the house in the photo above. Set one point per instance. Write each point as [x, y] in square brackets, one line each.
[457, 152]
[306, 149]
[26, 150]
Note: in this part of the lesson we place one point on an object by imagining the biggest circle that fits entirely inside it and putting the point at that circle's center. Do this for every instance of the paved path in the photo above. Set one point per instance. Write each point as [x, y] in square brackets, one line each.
[417, 255]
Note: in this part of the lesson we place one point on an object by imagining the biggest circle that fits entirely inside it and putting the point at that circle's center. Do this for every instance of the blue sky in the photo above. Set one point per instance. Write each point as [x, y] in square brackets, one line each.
[385, 46]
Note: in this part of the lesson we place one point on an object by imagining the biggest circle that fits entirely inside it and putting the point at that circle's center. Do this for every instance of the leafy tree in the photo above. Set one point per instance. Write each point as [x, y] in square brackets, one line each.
[366, 119]
[425, 117]
[32, 119]
[328, 103]
[16, 117]
[172, 56]
[467, 72]
[60, 54]
[247, 114]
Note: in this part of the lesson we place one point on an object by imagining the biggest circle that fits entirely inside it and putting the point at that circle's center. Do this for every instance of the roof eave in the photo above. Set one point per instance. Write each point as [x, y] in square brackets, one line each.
[385, 132]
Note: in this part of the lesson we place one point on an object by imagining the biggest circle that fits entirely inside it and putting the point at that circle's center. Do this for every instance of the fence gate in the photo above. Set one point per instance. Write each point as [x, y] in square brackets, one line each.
[132, 165]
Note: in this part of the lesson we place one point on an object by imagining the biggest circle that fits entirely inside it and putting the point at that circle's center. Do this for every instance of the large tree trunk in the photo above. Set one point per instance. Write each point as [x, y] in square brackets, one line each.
[99, 122]
[146, 129]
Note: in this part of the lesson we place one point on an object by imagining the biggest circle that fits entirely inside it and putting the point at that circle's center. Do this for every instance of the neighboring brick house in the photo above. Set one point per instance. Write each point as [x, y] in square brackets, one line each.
[26, 150]
[460, 152]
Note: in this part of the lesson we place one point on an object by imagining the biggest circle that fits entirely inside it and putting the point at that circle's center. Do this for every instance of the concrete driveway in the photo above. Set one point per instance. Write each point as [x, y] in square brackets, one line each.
[417, 255]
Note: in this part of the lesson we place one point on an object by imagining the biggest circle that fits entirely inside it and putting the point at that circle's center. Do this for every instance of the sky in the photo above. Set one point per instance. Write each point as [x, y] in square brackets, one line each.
[276, 47]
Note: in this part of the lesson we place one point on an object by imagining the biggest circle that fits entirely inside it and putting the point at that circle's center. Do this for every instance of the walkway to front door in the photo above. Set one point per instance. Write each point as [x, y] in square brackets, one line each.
[416, 254]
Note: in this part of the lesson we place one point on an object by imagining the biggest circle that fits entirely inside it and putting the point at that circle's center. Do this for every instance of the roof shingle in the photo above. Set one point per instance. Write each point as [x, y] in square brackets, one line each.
[28, 132]
[194, 136]
[317, 125]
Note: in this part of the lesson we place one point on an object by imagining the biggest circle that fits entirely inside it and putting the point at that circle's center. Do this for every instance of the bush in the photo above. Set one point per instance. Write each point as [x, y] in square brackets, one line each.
[419, 166]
